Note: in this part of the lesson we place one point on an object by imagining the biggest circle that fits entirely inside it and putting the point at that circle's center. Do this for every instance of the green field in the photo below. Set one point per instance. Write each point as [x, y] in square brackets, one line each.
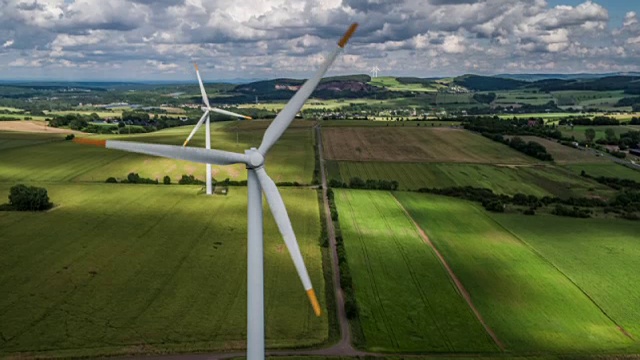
[565, 155]
[521, 97]
[385, 123]
[607, 170]
[149, 268]
[405, 298]
[536, 180]
[587, 98]
[392, 84]
[290, 160]
[12, 139]
[22, 117]
[578, 131]
[600, 256]
[529, 304]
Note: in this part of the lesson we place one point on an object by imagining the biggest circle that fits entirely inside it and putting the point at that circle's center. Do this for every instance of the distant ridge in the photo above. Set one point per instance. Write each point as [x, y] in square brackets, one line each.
[537, 77]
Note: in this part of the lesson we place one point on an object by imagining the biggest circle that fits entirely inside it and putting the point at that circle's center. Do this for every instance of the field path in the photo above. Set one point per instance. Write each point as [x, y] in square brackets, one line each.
[461, 289]
[343, 347]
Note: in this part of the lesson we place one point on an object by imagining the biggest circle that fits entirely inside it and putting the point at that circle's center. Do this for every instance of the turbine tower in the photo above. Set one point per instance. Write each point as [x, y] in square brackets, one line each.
[258, 182]
[374, 72]
[205, 117]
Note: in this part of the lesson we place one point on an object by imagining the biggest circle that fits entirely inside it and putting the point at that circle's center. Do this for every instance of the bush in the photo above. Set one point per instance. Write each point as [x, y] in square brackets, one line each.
[134, 178]
[166, 180]
[69, 137]
[112, 180]
[29, 198]
[191, 180]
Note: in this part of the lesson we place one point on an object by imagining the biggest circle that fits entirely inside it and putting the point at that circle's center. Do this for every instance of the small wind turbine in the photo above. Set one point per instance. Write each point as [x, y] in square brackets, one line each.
[207, 108]
[374, 72]
[258, 182]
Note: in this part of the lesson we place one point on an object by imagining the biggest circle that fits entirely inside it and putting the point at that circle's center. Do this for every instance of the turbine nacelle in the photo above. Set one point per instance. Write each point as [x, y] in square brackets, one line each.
[254, 158]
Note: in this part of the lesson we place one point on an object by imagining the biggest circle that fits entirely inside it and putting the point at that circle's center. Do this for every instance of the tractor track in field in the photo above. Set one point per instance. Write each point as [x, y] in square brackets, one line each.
[461, 289]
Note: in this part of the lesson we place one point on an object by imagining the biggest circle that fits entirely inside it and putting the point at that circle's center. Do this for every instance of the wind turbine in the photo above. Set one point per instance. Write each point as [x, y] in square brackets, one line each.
[258, 182]
[374, 71]
[205, 117]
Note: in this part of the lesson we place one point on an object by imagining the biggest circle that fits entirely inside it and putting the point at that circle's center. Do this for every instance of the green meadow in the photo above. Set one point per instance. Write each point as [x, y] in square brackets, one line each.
[406, 300]
[290, 160]
[543, 180]
[600, 256]
[607, 170]
[530, 304]
[127, 269]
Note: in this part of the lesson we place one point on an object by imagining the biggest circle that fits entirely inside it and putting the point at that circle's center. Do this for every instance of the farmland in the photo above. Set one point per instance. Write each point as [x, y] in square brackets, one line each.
[529, 304]
[521, 97]
[66, 161]
[405, 298]
[565, 154]
[542, 180]
[607, 170]
[416, 145]
[600, 256]
[392, 84]
[579, 131]
[122, 277]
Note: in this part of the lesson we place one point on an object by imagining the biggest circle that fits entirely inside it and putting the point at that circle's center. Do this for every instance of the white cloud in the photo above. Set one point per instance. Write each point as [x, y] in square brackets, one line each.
[266, 38]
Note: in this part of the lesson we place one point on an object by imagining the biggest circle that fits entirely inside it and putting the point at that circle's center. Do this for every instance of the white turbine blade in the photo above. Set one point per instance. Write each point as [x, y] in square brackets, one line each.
[285, 117]
[284, 225]
[198, 155]
[193, 132]
[225, 112]
[205, 99]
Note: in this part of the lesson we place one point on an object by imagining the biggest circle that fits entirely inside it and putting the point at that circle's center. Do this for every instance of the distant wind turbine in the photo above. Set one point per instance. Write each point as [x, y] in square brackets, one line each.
[207, 108]
[374, 72]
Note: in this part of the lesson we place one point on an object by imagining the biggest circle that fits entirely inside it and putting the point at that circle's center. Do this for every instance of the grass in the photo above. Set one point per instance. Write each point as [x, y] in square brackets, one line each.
[405, 298]
[600, 256]
[12, 139]
[538, 180]
[450, 99]
[587, 98]
[579, 131]
[416, 145]
[392, 84]
[565, 154]
[117, 269]
[22, 117]
[290, 160]
[529, 304]
[383, 122]
[521, 97]
[607, 170]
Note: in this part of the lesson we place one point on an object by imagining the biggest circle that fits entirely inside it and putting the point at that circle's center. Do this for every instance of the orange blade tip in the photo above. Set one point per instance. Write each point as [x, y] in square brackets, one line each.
[314, 302]
[347, 35]
[195, 66]
[248, 117]
[94, 142]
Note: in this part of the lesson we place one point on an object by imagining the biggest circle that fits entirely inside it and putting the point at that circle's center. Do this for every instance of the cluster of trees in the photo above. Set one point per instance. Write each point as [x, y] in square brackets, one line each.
[346, 282]
[626, 204]
[515, 126]
[134, 178]
[358, 183]
[530, 148]
[190, 180]
[575, 211]
[28, 198]
[596, 121]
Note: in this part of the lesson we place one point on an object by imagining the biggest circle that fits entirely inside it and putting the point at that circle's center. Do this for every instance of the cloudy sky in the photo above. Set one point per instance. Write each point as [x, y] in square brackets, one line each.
[160, 39]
